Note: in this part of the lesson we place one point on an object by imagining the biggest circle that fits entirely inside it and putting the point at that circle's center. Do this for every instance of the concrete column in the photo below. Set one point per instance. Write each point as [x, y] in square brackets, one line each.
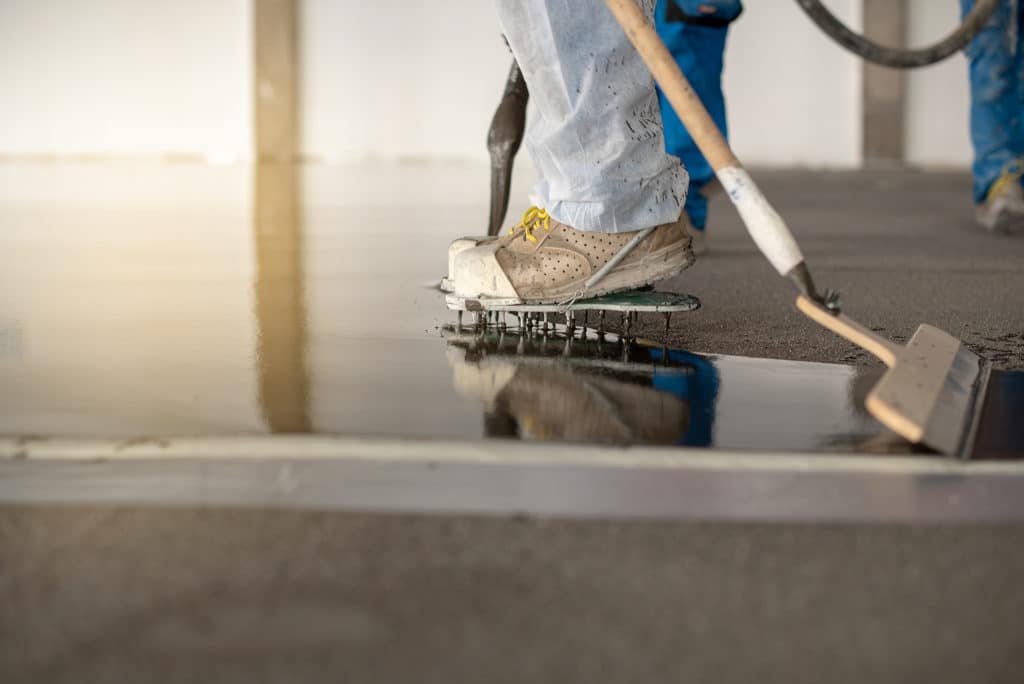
[885, 22]
[277, 226]
[276, 78]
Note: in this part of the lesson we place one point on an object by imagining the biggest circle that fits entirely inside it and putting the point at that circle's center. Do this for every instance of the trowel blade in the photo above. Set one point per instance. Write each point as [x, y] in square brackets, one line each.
[932, 395]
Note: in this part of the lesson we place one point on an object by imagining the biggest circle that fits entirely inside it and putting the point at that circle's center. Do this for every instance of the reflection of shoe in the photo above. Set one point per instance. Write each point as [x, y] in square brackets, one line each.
[1003, 208]
[558, 404]
[544, 261]
[553, 401]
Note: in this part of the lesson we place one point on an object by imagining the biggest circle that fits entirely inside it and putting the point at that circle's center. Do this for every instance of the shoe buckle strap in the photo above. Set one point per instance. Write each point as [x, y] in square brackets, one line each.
[612, 263]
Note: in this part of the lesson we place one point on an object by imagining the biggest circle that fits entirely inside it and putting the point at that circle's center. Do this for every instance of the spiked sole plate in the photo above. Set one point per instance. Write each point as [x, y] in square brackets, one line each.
[639, 302]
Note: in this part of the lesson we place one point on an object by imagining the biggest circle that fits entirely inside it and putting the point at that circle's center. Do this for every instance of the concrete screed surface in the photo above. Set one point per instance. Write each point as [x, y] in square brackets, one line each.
[902, 249]
[102, 594]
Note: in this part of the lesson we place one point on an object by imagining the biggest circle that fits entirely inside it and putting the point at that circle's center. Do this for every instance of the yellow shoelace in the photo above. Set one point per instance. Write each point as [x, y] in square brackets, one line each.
[533, 218]
[1012, 174]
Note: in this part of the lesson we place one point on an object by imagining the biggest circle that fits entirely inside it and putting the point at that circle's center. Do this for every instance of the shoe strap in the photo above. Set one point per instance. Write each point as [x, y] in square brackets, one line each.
[612, 263]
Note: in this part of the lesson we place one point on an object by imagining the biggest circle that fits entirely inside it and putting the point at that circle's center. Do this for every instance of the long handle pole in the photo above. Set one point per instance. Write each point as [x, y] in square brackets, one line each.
[766, 227]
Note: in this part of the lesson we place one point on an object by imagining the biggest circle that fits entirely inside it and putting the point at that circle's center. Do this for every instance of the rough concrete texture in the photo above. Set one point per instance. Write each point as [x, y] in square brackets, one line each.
[228, 596]
[116, 595]
[901, 247]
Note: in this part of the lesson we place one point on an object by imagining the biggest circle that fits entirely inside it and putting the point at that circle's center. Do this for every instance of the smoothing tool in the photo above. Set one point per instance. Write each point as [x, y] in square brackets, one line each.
[933, 390]
[503, 139]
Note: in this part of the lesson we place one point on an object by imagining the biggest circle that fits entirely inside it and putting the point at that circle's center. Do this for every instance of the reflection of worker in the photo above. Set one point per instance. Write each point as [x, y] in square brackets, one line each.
[694, 31]
[997, 103]
[609, 214]
[698, 389]
[584, 393]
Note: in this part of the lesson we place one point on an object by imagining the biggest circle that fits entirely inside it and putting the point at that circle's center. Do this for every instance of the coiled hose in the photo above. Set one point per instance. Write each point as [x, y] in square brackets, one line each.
[894, 57]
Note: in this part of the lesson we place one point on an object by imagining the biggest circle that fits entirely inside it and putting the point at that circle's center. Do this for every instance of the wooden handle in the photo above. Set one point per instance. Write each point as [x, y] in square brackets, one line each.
[851, 330]
[677, 89]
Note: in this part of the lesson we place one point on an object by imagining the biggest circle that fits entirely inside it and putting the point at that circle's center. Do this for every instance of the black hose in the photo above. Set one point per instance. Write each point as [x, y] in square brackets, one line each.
[894, 57]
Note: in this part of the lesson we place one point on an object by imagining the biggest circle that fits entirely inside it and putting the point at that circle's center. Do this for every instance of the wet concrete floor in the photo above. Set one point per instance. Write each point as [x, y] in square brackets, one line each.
[163, 301]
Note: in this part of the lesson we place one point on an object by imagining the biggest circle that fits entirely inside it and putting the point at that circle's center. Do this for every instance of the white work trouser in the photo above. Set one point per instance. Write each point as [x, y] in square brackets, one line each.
[595, 133]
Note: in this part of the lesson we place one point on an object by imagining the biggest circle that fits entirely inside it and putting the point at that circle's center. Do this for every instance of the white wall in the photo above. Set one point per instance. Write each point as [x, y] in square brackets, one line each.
[937, 96]
[125, 77]
[400, 79]
[792, 95]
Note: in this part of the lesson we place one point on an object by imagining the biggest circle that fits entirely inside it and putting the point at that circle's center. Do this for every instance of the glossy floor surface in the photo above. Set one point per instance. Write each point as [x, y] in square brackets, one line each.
[160, 301]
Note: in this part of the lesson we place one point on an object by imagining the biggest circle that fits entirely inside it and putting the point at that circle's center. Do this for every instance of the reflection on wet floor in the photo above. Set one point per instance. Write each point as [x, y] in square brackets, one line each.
[1000, 433]
[576, 385]
[163, 301]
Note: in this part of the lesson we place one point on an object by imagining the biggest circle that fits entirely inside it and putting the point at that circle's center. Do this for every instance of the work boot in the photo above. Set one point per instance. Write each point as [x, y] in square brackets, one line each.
[1002, 211]
[543, 261]
[454, 249]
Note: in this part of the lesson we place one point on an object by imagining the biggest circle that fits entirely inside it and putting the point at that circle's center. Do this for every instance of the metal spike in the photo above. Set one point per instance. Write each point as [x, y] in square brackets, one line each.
[668, 322]
[627, 320]
[600, 323]
[460, 321]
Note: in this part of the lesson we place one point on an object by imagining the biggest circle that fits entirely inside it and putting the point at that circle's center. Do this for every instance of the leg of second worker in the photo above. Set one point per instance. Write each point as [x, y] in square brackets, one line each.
[997, 101]
[607, 187]
[695, 33]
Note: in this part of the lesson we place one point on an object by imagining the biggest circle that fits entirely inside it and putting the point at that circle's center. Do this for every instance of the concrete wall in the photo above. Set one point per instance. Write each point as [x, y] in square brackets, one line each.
[123, 77]
[937, 96]
[395, 79]
[793, 97]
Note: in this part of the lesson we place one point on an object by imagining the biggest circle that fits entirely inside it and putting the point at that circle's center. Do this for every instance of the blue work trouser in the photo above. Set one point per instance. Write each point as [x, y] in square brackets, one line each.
[997, 94]
[695, 33]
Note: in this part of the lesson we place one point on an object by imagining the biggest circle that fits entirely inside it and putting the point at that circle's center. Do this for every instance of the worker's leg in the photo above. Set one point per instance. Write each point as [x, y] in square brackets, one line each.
[596, 133]
[1018, 78]
[694, 32]
[597, 142]
[997, 98]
